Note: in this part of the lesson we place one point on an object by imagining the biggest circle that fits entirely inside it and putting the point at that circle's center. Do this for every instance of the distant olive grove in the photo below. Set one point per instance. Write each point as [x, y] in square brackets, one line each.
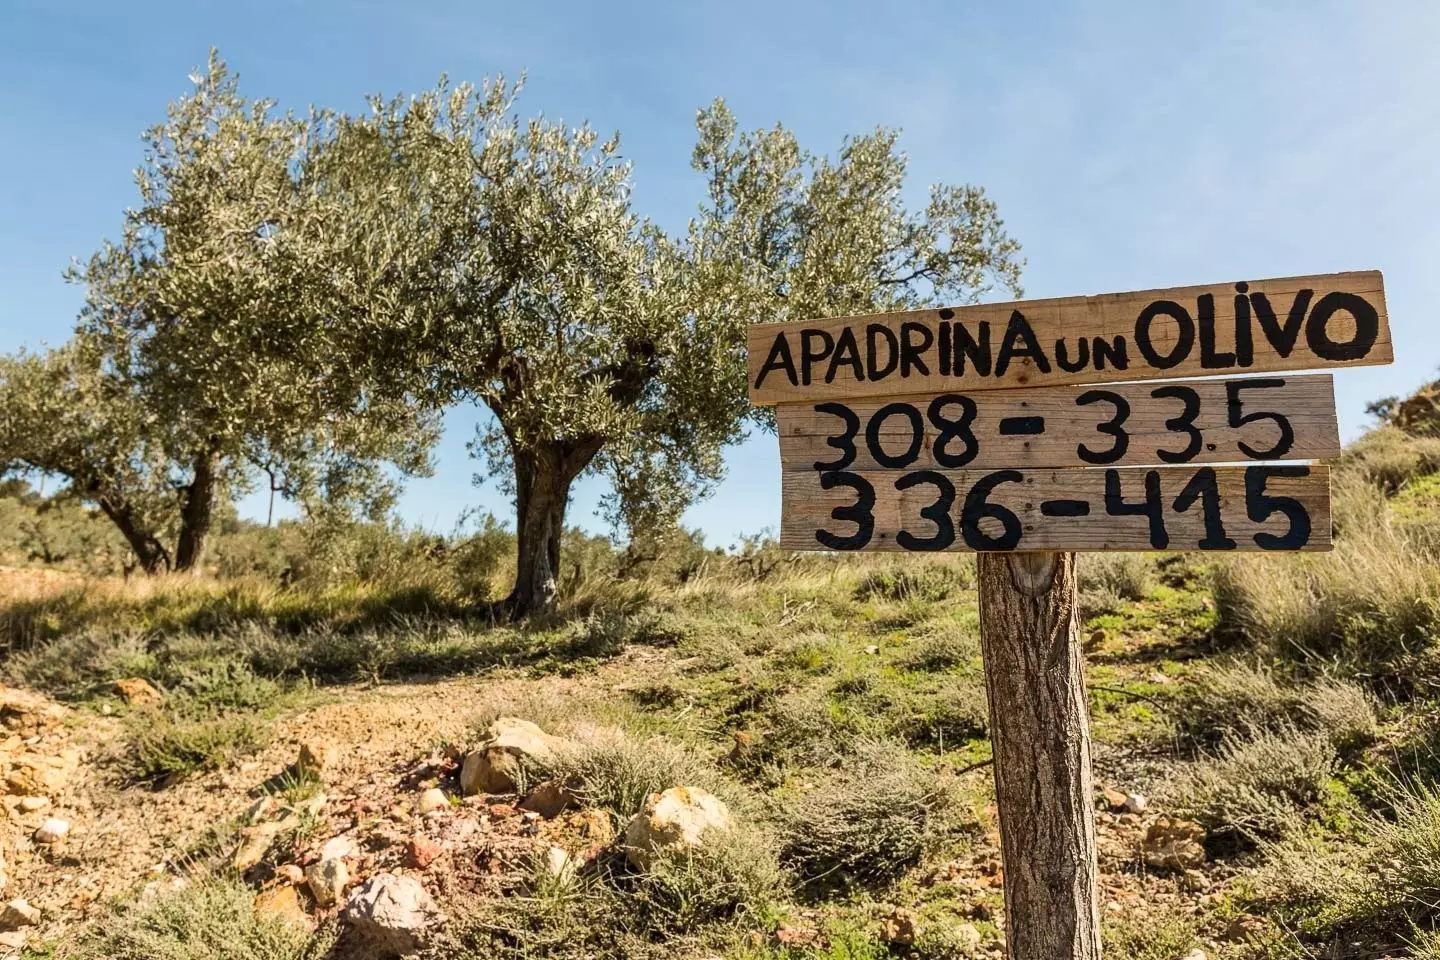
[296, 298]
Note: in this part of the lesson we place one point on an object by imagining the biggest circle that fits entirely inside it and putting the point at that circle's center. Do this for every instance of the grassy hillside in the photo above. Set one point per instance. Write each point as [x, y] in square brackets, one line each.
[1283, 711]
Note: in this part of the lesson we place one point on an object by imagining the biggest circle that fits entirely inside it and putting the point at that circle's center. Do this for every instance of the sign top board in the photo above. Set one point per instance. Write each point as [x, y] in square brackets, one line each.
[1295, 323]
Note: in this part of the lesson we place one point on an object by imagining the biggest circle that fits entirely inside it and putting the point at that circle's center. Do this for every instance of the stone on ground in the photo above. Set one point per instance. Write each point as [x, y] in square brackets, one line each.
[316, 759]
[52, 830]
[46, 775]
[327, 879]
[17, 914]
[432, 800]
[138, 692]
[678, 817]
[899, 927]
[281, 903]
[550, 799]
[392, 913]
[1174, 844]
[498, 764]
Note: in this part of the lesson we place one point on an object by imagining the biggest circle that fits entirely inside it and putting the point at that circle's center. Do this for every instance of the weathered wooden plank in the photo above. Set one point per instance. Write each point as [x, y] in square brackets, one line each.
[1193, 421]
[1270, 507]
[1293, 323]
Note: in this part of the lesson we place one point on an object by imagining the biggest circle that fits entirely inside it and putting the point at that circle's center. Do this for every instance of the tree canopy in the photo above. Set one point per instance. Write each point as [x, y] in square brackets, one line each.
[515, 273]
[199, 354]
[303, 296]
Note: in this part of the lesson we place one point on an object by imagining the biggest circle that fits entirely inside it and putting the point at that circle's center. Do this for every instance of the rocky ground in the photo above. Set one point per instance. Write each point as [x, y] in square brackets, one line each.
[384, 807]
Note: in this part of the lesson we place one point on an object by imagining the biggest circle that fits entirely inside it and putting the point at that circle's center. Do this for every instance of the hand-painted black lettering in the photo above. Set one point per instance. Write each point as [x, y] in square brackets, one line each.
[1244, 341]
[1112, 352]
[1210, 358]
[912, 353]
[778, 359]
[1238, 418]
[1151, 508]
[953, 428]
[877, 423]
[815, 345]
[1021, 426]
[1082, 355]
[1282, 338]
[859, 513]
[947, 348]
[1011, 347]
[1184, 333]
[844, 442]
[847, 354]
[947, 314]
[976, 351]
[1184, 423]
[1114, 426]
[978, 507]
[937, 513]
[1367, 327]
[1261, 506]
[1065, 508]
[1205, 487]
[874, 333]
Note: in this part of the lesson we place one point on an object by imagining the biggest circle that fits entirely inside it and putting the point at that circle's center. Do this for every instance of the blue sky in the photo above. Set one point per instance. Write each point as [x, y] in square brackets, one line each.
[1128, 144]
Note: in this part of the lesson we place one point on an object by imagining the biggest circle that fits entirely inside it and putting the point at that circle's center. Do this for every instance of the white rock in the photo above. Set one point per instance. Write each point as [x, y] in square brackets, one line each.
[392, 913]
[680, 816]
[498, 764]
[1136, 803]
[52, 830]
[1196, 954]
[337, 848]
[559, 863]
[31, 804]
[433, 799]
[327, 880]
[17, 914]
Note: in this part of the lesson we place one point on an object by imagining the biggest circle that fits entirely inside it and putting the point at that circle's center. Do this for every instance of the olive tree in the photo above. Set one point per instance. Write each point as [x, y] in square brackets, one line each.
[201, 354]
[502, 258]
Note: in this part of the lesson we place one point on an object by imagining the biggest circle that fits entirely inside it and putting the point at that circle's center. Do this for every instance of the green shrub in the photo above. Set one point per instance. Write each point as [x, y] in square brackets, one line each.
[207, 920]
[868, 824]
[944, 649]
[164, 749]
[913, 580]
[1388, 457]
[1256, 786]
[617, 774]
[1109, 580]
[1237, 699]
[1370, 605]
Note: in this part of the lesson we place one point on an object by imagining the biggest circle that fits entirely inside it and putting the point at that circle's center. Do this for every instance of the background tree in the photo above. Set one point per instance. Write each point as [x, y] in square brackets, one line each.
[200, 354]
[508, 266]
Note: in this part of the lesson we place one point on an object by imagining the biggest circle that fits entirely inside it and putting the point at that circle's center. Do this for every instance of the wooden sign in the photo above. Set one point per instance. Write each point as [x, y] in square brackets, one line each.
[1221, 329]
[1269, 507]
[894, 436]
[1197, 421]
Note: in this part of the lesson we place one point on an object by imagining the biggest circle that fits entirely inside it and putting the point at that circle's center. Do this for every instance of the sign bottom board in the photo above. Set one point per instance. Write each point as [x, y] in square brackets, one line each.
[1260, 507]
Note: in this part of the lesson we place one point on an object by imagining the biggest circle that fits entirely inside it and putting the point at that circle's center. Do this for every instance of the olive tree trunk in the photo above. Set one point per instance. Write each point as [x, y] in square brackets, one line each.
[149, 552]
[1039, 726]
[543, 477]
[196, 515]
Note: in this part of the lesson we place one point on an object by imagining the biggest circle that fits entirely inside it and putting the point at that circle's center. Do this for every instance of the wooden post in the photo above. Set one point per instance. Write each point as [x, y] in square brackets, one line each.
[1039, 726]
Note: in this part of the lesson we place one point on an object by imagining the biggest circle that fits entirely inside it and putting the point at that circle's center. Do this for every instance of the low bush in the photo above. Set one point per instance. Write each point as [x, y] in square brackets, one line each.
[1389, 457]
[617, 773]
[207, 920]
[927, 582]
[1229, 700]
[1109, 580]
[1257, 786]
[944, 649]
[867, 825]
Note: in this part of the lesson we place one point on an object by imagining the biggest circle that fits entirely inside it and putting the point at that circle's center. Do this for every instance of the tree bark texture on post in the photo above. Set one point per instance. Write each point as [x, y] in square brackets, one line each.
[1039, 727]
